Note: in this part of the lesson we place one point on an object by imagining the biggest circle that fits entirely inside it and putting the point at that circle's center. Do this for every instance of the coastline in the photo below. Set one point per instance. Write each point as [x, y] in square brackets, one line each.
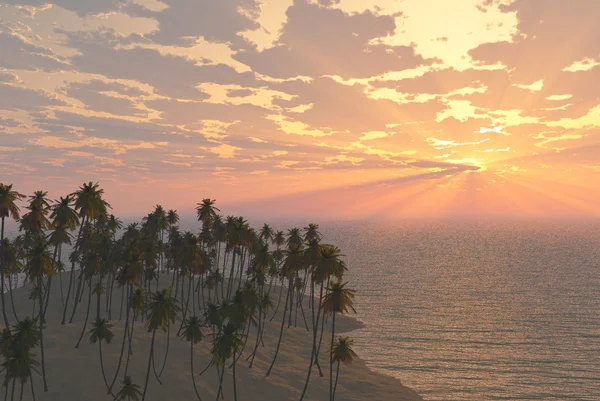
[75, 375]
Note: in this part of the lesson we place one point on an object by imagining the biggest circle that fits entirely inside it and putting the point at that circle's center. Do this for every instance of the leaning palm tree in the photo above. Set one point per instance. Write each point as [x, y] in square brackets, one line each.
[192, 332]
[101, 331]
[341, 352]
[8, 208]
[129, 391]
[338, 300]
[163, 310]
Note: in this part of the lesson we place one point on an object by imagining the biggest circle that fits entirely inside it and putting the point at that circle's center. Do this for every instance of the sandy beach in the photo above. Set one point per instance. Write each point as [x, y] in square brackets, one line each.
[75, 375]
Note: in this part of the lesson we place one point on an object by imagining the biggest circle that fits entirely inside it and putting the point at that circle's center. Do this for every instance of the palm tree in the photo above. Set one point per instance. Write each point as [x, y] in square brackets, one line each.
[163, 311]
[64, 219]
[172, 218]
[89, 205]
[266, 234]
[101, 332]
[206, 210]
[8, 208]
[129, 391]
[35, 222]
[227, 344]
[39, 265]
[338, 300]
[341, 352]
[192, 332]
[19, 362]
[9, 256]
[292, 263]
[312, 233]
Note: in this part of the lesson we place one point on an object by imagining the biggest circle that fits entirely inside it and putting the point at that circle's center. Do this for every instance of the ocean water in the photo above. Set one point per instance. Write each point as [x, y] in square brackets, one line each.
[475, 310]
[478, 310]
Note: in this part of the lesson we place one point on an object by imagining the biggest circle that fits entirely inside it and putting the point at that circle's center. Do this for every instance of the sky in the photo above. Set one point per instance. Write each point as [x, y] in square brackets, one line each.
[333, 108]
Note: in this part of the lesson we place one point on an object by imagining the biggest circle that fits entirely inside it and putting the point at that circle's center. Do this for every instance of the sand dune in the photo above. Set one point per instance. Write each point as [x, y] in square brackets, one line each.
[75, 375]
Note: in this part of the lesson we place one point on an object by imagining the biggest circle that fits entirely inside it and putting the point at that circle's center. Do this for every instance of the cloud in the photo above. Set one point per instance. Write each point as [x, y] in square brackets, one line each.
[171, 75]
[182, 23]
[348, 108]
[81, 7]
[16, 53]
[543, 27]
[19, 98]
[94, 95]
[318, 41]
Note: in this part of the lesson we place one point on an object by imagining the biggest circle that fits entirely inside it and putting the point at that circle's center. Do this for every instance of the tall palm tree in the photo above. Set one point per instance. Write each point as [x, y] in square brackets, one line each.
[172, 218]
[163, 311]
[101, 331]
[206, 210]
[341, 352]
[9, 255]
[266, 233]
[338, 300]
[291, 265]
[192, 333]
[89, 205]
[8, 208]
[36, 221]
[40, 265]
[129, 391]
[311, 233]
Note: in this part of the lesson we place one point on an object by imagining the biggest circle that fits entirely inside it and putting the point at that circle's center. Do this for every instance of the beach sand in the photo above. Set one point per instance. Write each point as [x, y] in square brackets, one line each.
[75, 375]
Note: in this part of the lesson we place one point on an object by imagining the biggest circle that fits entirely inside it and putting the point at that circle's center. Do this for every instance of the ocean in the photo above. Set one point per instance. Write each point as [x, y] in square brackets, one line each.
[478, 310]
[475, 310]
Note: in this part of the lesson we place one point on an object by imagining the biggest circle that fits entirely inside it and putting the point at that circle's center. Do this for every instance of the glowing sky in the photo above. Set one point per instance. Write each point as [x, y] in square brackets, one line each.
[341, 108]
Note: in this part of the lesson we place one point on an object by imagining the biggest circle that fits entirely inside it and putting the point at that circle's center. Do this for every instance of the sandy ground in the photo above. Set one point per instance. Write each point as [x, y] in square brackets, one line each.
[75, 375]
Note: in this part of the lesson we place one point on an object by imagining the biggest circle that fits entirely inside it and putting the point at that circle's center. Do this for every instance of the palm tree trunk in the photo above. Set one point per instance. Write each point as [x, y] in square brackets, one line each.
[291, 285]
[258, 334]
[10, 293]
[12, 392]
[72, 271]
[278, 302]
[166, 352]
[102, 366]
[5, 316]
[98, 298]
[234, 385]
[315, 324]
[62, 295]
[280, 333]
[331, 358]
[129, 351]
[149, 364]
[21, 394]
[192, 367]
[121, 307]
[337, 375]
[221, 376]
[87, 315]
[231, 274]
[32, 390]
[125, 334]
[42, 319]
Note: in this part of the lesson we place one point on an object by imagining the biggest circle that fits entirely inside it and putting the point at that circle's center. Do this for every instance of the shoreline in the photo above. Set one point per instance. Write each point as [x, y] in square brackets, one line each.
[74, 374]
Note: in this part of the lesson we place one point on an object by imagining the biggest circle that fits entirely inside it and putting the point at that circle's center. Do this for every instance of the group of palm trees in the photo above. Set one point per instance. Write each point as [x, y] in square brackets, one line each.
[223, 285]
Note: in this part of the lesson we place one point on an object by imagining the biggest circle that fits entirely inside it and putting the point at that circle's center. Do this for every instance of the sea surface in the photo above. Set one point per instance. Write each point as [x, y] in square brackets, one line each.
[478, 310]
